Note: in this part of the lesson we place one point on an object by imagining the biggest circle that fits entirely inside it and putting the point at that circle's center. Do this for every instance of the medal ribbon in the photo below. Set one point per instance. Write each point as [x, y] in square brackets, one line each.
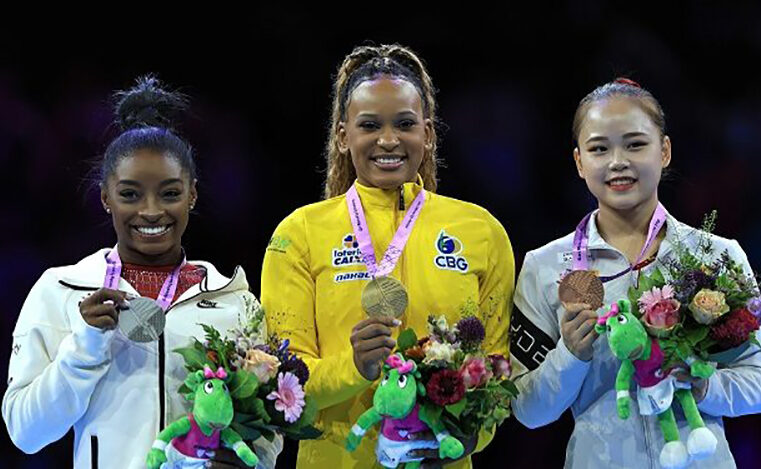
[362, 233]
[581, 241]
[168, 289]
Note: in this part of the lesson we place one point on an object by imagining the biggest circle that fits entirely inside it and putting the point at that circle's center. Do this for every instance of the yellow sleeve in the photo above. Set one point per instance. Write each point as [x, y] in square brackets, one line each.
[288, 298]
[496, 302]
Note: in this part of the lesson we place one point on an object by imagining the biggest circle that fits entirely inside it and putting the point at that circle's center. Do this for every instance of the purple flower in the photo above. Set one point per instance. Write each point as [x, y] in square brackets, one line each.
[471, 332]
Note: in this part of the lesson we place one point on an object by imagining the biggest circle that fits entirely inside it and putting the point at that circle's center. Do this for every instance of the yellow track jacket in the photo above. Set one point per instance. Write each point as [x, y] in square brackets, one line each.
[458, 261]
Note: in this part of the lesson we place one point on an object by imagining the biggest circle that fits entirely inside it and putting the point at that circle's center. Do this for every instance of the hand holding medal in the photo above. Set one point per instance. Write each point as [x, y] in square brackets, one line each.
[101, 309]
[581, 293]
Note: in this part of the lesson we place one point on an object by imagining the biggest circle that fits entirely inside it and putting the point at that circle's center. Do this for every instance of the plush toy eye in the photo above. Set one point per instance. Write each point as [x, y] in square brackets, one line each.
[622, 319]
[208, 387]
[385, 380]
[609, 328]
[402, 381]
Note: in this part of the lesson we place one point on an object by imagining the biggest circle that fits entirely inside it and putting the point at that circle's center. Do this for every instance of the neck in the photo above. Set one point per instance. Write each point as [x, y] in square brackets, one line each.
[130, 256]
[648, 349]
[205, 428]
[627, 229]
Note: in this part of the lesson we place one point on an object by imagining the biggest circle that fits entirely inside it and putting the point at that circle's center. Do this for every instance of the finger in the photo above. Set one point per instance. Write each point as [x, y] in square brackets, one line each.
[96, 311]
[682, 376]
[224, 455]
[582, 328]
[370, 331]
[374, 343]
[572, 309]
[428, 454]
[106, 294]
[581, 317]
[376, 355]
[102, 322]
[426, 435]
[588, 339]
[387, 321]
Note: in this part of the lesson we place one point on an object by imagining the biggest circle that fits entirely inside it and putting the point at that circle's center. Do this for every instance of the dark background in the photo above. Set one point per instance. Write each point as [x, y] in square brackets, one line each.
[509, 82]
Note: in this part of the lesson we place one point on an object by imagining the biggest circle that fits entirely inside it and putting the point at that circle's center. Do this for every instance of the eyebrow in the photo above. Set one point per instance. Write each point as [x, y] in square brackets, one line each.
[165, 182]
[626, 135]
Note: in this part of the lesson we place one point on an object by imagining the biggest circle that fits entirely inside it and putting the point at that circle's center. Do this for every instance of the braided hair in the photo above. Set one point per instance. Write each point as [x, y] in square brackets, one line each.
[147, 115]
[367, 63]
[621, 87]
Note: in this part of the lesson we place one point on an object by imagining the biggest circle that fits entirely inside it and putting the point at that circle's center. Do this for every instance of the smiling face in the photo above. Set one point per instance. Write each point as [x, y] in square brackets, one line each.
[385, 132]
[149, 196]
[621, 153]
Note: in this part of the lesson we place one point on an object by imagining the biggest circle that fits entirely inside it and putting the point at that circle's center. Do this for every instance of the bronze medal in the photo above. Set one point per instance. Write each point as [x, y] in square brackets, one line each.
[384, 296]
[582, 286]
[143, 321]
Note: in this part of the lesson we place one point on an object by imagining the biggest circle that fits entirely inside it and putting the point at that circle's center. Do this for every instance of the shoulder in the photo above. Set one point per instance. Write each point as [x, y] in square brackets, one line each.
[691, 236]
[475, 215]
[552, 253]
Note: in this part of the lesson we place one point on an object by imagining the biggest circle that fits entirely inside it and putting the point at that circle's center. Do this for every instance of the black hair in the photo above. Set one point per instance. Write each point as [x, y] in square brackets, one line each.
[147, 116]
[620, 87]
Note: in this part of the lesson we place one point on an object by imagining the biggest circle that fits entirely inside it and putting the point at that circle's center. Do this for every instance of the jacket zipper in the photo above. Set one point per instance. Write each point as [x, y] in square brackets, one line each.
[94, 451]
[401, 198]
[645, 431]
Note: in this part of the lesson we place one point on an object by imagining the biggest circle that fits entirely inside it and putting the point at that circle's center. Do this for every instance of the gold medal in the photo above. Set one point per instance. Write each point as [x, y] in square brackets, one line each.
[582, 286]
[384, 296]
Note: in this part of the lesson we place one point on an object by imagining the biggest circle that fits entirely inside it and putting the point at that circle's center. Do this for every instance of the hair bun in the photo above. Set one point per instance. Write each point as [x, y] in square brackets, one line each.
[147, 104]
[627, 81]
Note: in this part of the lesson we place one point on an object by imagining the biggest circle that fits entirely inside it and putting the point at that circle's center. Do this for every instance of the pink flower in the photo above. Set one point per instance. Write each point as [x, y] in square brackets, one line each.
[500, 366]
[474, 372]
[289, 397]
[660, 310]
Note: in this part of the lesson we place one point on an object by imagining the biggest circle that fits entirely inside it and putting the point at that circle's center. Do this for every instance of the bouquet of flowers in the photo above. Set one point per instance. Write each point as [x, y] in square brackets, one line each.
[470, 388]
[265, 380]
[709, 308]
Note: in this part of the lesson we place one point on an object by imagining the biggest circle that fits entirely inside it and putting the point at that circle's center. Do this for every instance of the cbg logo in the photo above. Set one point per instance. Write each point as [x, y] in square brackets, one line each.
[449, 249]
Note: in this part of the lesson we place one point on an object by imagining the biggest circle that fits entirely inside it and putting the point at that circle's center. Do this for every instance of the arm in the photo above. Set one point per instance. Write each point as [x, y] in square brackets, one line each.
[551, 375]
[232, 440]
[54, 368]
[623, 381]
[495, 291]
[368, 418]
[157, 456]
[288, 296]
[736, 389]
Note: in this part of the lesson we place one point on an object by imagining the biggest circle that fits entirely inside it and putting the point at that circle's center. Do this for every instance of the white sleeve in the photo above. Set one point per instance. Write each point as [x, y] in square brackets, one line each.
[552, 376]
[53, 370]
[735, 390]
[267, 451]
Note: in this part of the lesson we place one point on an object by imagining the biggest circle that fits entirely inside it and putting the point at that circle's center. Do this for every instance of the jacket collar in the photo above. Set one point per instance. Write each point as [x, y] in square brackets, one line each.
[389, 198]
[675, 230]
[90, 272]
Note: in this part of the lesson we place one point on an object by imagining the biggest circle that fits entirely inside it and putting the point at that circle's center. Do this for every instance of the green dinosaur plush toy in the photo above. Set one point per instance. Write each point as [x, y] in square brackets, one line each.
[395, 405]
[190, 441]
[642, 359]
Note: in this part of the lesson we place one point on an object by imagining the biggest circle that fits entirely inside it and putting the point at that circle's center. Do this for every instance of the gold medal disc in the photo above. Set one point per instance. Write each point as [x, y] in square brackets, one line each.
[384, 296]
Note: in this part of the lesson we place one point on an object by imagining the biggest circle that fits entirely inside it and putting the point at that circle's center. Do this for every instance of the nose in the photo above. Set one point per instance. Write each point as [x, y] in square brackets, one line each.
[619, 161]
[152, 210]
[388, 139]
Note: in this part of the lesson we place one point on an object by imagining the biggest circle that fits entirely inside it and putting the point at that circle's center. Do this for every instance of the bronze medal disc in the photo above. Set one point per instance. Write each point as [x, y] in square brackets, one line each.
[384, 296]
[143, 321]
[582, 286]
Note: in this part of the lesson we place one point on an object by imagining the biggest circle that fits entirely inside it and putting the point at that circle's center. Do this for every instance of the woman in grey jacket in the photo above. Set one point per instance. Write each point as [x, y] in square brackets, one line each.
[72, 364]
[561, 362]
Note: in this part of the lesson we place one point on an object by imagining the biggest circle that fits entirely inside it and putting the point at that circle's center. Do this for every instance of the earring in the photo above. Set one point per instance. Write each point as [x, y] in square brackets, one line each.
[108, 210]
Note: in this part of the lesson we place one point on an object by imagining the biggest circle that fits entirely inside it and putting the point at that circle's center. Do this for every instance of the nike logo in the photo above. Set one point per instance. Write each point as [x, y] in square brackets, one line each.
[206, 304]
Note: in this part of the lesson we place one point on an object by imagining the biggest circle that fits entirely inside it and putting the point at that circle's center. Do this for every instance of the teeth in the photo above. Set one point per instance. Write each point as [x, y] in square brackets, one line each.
[621, 181]
[152, 230]
[385, 160]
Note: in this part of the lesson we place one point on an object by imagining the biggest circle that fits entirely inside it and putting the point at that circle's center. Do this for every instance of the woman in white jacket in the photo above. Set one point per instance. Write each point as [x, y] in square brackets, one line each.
[71, 366]
[562, 364]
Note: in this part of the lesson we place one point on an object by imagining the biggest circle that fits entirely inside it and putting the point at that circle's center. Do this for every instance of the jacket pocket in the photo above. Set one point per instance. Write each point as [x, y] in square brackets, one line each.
[94, 451]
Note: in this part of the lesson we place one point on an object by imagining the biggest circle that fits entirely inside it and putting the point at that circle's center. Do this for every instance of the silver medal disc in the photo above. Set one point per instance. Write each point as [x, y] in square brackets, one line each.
[143, 321]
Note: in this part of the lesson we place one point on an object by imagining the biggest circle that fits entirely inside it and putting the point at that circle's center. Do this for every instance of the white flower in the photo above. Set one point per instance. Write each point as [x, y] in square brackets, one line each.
[438, 352]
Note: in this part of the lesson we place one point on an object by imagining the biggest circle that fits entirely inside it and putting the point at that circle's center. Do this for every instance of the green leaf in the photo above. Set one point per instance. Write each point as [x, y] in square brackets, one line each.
[304, 433]
[456, 408]
[407, 339]
[242, 384]
[194, 358]
[753, 339]
[694, 336]
[252, 405]
[308, 414]
[657, 278]
[510, 387]
[246, 432]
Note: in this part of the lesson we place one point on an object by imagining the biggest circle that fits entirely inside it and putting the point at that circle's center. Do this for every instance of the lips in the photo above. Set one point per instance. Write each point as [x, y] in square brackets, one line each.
[152, 231]
[622, 183]
[388, 162]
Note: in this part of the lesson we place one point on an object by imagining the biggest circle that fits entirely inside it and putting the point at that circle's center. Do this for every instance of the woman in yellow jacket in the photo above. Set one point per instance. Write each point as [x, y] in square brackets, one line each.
[457, 260]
